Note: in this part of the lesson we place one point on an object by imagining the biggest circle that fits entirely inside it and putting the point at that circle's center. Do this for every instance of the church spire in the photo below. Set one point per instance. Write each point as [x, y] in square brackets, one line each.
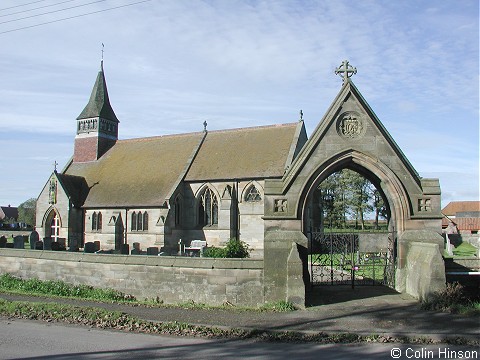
[97, 124]
[99, 103]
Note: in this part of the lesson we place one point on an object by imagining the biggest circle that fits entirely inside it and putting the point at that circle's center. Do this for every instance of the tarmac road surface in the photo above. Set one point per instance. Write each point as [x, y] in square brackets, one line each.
[21, 339]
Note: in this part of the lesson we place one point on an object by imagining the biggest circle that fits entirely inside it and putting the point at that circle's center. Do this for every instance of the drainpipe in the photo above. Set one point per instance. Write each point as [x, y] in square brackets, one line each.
[126, 226]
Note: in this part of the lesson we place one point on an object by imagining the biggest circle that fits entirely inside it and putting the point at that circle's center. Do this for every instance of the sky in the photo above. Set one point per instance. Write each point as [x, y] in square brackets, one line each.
[170, 65]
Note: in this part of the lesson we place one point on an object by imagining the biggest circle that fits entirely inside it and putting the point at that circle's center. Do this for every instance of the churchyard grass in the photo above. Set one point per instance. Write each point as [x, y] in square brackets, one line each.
[12, 284]
[464, 249]
[57, 288]
[453, 299]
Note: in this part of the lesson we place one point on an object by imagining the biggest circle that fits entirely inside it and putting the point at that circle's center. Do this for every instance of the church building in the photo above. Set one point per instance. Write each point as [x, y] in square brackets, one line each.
[158, 191]
[258, 184]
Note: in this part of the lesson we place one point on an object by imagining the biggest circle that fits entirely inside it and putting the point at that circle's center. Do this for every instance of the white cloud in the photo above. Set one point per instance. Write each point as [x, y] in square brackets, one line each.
[171, 64]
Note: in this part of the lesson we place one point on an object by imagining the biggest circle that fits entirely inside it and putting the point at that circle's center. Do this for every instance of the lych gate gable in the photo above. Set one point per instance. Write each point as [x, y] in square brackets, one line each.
[351, 136]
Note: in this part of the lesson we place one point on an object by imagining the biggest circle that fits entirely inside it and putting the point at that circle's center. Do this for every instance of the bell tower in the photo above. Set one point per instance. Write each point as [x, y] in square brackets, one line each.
[97, 125]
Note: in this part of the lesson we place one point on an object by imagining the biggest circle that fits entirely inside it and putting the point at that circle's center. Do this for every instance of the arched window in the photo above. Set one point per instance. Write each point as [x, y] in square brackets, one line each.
[252, 194]
[139, 221]
[55, 228]
[178, 209]
[208, 208]
[145, 221]
[96, 221]
[134, 221]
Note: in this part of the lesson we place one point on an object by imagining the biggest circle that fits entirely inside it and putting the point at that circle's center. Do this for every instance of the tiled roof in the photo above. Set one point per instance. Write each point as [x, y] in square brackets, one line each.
[76, 188]
[144, 172]
[138, 172]
[455, 207]
[257, 152]
[10, 212]
[467, 223]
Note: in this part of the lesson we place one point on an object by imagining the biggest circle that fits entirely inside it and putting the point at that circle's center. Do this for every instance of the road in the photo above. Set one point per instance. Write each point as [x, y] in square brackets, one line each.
[20, 339]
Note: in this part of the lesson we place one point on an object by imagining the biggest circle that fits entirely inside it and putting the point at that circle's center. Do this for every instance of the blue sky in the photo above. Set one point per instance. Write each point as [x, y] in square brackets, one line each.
[172, 64]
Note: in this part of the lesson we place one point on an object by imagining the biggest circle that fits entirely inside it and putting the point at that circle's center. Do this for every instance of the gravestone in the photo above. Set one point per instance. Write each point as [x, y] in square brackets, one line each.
[39, 245]
[3, 242]
[47, 243]
[136, 249]
[97, 245]
[34, 237]
[18, 242]
[152, 251]
[89, 247]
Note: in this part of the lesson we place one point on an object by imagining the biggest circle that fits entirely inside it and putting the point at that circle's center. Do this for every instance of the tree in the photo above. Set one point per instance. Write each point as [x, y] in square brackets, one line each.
[347, 195]
[26, 212]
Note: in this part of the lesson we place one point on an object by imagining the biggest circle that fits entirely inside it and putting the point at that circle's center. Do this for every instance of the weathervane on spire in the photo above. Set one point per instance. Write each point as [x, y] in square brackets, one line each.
[345, 70]
[55, 164]
[205, 126]
[301, 115]
[101, 63]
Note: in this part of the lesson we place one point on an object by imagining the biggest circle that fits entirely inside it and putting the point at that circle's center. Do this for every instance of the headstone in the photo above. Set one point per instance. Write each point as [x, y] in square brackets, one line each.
[124, 249]
[3, 242]
[55, 246]
[34, 237]
[39, 245]
[136, 249]
[47, 243]
[62, 243]
[97, 245]
[152, 250]
[9, 245]
[18, 242]
[89, 247]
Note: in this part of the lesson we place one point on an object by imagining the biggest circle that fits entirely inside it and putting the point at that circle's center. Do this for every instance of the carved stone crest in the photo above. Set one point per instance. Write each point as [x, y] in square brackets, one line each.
[350, 125]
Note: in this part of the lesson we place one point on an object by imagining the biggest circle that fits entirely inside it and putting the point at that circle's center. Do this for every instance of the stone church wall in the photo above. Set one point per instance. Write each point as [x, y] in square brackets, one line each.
[171, 279]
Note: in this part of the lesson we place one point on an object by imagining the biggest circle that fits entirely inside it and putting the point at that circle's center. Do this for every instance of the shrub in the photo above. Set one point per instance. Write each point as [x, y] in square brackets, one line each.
[234, 249]
[446, 300]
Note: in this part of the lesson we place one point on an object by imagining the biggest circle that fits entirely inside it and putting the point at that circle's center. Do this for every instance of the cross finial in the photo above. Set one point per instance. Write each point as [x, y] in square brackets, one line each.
[55, 166]
[101, 63]
[345, 70]
[301, 115]
[205, 126]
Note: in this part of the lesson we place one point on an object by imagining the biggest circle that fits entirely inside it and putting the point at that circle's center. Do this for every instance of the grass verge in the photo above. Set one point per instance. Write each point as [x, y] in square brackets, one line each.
[58, 288]
[115, 320]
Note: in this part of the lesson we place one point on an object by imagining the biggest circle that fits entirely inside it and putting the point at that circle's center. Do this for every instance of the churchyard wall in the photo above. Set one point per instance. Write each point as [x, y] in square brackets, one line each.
[171, 279]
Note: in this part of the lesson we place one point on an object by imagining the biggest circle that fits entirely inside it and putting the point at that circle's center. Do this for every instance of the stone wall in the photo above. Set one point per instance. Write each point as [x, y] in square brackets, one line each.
[171, 279]
[425, 270]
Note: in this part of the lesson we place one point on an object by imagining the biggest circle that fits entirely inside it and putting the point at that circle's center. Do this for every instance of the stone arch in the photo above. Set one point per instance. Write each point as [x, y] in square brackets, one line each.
[49, 216]
[378, 173]
[247, 187]
[207, 187]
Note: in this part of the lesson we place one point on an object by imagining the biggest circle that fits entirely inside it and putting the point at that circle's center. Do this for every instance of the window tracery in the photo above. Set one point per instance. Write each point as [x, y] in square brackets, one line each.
[252, 194]
[208, 208]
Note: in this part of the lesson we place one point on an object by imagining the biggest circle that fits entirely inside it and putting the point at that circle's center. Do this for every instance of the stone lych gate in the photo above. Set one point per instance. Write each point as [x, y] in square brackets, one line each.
[350, 136]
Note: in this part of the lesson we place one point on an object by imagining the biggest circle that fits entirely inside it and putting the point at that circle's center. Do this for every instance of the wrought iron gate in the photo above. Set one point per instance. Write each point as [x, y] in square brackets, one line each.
[352, 258]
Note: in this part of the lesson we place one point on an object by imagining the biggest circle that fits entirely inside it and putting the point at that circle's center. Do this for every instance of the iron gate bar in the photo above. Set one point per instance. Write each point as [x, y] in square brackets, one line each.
[340, 257]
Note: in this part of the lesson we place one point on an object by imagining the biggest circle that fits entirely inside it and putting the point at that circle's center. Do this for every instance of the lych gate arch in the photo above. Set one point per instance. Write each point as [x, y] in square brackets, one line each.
[351, 136]
[376, 172]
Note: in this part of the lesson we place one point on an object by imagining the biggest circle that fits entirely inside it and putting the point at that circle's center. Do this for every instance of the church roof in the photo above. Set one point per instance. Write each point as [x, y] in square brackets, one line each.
[257, 152]
[145, 172]
[138, 172]
[99, 103]
[75, 187]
